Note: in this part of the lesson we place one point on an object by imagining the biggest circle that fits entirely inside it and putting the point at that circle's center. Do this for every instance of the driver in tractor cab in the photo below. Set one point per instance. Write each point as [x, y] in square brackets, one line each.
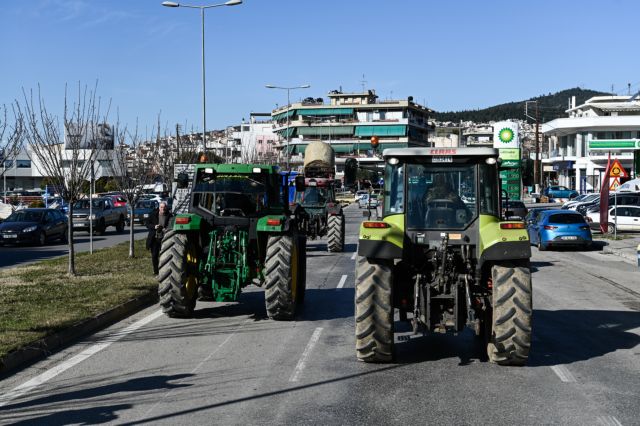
[443, 205]
[231, 204]
[441, 190]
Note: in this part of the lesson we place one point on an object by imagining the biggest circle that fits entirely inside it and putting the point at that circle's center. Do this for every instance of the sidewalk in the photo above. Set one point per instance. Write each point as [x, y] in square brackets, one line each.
[626, 248]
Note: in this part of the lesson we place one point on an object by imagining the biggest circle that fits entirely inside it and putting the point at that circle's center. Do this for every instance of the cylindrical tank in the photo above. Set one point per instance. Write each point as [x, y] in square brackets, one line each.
[319, 154]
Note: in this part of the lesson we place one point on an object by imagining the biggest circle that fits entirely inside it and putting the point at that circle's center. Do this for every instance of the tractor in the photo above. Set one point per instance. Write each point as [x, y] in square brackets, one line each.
[443, 256]
[238, 230]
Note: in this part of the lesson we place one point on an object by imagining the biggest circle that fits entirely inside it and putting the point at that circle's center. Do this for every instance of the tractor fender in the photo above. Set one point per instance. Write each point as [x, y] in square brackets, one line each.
[334, 209]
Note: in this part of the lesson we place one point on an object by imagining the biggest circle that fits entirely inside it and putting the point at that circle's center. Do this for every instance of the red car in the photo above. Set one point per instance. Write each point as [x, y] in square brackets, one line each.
[117, 200]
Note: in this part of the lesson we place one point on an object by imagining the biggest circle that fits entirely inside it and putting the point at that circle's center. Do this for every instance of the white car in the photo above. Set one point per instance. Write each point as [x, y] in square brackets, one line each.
[359, 195]
[581, 199]
[628, 219]
[363, 202]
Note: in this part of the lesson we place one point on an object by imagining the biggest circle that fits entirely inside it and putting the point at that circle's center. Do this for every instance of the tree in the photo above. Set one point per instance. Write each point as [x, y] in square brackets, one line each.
[10, 146]
[129, 173]
[64, 151]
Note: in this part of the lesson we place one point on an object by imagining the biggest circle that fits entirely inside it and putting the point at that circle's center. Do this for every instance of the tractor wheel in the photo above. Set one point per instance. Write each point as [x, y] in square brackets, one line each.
[178, 280]
[335, 236]
[374, 311]
[510, 339]
[302, 268]
[282, 276]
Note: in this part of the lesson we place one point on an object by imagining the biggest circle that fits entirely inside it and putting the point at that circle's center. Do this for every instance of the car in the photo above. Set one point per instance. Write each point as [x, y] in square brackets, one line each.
[532, 215]
[628, 219]
[118, 200]
[624, 199]
[559, 228]
[359, 195]
[580, 200]
[374, 201]
[514, 209]
[34, 225]
[142, 211]
[363, 202]
[556, 192]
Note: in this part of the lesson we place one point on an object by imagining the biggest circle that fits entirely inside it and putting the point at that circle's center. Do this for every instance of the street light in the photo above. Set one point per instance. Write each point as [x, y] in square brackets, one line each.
[288, 89]
[202, 9]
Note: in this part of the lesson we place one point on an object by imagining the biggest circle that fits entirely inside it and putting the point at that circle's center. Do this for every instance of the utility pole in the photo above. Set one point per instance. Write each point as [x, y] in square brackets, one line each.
[536, 164]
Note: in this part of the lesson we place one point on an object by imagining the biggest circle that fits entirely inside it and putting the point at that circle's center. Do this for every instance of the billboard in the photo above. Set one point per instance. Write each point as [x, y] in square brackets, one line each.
[505, 135]
[99, 136]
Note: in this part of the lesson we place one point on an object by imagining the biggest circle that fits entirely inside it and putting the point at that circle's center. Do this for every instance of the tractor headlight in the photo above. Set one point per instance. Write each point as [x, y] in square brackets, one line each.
[491, 161]
[393, 161]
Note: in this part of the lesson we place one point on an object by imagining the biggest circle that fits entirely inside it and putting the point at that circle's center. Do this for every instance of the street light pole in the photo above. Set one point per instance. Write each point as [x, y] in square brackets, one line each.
[288, 89]
[204, 97]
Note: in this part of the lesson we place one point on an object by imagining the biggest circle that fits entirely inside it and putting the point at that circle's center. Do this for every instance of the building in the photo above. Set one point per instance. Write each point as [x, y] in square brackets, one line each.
[348, 122]
[576, 148]
[253, 142]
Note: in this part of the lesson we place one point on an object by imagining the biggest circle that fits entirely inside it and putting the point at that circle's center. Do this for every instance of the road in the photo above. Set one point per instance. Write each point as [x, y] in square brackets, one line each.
[231, 365]
[16, 255]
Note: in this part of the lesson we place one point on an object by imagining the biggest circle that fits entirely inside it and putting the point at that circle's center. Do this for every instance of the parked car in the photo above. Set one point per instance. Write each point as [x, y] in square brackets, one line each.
[103, 214]
[559, 228]
[359, 195]
[624, 199]
[118, 200]
[142, 211]
[514, 209]
[628, 219]
[374, 201]
[556, 192]
[579, 200]
[363, 202]
[34, 225]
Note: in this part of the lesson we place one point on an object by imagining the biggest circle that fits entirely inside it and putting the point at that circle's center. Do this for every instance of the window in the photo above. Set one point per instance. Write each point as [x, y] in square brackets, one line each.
[394, 189]
[23, 164]
[565, 219]
[8, 164]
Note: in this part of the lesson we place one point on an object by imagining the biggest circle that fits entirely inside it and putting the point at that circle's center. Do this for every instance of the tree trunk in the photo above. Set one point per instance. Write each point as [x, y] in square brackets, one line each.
[132, 252]
[72, 253]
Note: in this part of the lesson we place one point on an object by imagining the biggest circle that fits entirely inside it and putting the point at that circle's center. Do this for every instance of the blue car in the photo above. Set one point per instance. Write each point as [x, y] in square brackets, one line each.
[559, 228]
[556, 191]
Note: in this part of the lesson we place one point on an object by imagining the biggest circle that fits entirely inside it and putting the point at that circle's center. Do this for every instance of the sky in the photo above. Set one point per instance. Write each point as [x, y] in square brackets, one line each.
[449, 55]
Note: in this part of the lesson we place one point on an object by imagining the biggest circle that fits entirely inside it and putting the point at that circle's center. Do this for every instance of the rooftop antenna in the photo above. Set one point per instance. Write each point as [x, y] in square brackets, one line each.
[629, 89]
[363, 82]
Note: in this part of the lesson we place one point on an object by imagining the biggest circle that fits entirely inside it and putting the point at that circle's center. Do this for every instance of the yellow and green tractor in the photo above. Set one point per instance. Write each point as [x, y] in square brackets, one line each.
[443, 257]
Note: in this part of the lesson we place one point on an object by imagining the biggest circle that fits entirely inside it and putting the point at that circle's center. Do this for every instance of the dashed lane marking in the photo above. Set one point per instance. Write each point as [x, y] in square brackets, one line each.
[564, 374]
[307, 351]
[353, 256]
[85, 354]
[343, 280]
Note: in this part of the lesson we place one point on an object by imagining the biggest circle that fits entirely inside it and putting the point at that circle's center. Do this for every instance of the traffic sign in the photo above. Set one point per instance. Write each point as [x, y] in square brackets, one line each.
[614, 183]
[617, 171]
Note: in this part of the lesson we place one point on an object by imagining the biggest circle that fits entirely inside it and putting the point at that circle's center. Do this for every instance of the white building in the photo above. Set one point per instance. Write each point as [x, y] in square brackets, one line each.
[576, 148]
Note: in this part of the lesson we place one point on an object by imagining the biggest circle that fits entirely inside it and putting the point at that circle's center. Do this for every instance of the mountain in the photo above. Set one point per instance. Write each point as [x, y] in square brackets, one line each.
[550, 106]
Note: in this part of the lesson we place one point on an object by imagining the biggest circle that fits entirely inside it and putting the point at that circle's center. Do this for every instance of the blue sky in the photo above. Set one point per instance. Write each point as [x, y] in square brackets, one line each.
[450, 54]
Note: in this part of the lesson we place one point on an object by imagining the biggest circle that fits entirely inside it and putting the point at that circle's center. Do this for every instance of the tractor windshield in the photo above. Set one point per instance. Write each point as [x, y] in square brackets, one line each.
[230, 195]
[440, 197]
[313, 196]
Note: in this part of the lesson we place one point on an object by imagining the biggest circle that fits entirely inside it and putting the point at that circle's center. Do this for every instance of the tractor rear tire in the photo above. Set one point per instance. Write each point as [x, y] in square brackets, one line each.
[510, 339]
[178, 280]
[335, 235]
[374, 311]
[282, 276]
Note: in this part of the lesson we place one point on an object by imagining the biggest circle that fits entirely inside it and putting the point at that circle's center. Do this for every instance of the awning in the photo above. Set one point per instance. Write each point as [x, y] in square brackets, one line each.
[342, 148]
[290, 131]
[326, 111]
[283, 115]
[295, 149]
[394, 130]
[367, 146]
[326, 131]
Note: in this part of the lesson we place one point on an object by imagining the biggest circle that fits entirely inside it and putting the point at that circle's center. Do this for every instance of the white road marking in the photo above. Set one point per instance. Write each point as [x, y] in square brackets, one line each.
[60, 368]
[564, 374]
[609, 421]
[343, 279]
[353, 256]
[307, 351]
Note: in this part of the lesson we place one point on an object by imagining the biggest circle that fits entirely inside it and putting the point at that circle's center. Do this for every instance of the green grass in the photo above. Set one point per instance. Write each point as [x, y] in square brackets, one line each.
[40, 298]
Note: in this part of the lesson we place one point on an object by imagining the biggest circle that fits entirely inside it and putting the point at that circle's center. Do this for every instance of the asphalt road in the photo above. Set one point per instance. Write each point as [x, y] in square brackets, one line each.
[16, 255]
[231, 365]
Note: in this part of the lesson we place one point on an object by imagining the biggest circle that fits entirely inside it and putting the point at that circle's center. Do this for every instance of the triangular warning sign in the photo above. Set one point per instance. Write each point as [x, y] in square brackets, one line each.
[617, 171]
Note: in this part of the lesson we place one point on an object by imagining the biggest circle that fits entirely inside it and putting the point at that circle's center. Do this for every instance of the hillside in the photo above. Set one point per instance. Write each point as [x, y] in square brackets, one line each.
[551, 106]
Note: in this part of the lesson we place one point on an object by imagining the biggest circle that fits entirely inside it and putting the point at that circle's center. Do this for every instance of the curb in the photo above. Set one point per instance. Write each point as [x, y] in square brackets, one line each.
[629, 258]
[45, 346]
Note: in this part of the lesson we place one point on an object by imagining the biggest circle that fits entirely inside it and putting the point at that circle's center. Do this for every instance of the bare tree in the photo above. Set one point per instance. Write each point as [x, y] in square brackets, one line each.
[64, 151]
[130, 172]
[12, 145]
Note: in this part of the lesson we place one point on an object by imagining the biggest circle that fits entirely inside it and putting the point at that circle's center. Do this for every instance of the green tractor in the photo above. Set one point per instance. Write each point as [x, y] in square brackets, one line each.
[443, 256]
[238, 231]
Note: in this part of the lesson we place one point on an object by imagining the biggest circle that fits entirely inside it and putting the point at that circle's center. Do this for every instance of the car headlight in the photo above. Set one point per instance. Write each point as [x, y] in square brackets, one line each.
[30, 229]
[92, 217]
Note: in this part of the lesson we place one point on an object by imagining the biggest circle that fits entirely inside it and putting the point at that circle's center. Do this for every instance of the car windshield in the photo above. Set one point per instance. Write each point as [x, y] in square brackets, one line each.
[435, 196]
[565, 219]
[146, 205]
[25, 216]
[84, 204]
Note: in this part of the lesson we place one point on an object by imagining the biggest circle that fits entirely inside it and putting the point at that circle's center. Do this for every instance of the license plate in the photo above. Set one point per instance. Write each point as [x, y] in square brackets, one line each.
[78, 225]
[570, 238]
[9, 236]
[442, 159]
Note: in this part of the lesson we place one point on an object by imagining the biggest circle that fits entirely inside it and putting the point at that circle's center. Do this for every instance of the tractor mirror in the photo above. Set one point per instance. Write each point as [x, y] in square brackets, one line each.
[299, 183]
[182, 180]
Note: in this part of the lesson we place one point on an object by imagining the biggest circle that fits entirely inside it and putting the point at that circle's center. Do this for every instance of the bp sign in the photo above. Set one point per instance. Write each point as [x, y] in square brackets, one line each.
[505, 135]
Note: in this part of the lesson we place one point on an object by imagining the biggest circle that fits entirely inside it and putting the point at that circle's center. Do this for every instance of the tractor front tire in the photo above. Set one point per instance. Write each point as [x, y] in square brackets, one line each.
[510, 339]
[178, 281]
[374, 311]
[282, 276]
[302, 268]
[335, 234]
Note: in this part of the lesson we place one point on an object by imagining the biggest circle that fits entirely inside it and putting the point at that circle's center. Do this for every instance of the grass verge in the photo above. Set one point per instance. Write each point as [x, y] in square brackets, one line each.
[40, 298]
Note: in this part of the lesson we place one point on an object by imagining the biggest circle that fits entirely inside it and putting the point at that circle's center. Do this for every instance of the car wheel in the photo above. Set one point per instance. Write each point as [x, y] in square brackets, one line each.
[541, 247]
[42, 238]
[611, 228]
